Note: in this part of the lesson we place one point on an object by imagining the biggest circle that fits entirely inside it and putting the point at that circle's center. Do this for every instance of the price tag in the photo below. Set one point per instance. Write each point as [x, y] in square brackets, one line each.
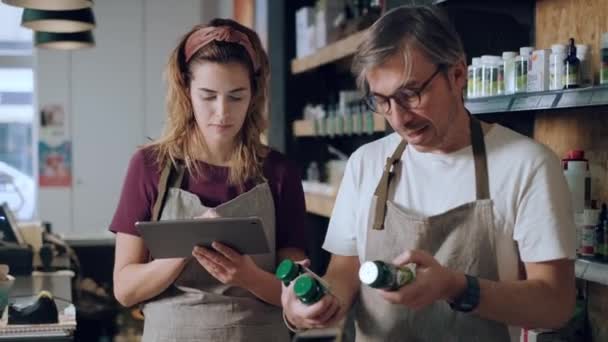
[525, 103]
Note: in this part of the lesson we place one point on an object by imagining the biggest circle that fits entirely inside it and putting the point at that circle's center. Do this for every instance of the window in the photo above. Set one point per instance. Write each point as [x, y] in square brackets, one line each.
[17, 172]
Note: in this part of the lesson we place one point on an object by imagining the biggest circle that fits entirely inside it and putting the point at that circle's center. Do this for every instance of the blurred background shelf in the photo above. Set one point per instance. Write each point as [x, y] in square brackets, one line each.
[556, 99]
[593, 271]
[306, 128]
[329, 54]
[317, 204]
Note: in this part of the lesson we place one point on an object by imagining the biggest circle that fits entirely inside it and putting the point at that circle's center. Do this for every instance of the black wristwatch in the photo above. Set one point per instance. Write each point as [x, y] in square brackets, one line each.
[469, 299]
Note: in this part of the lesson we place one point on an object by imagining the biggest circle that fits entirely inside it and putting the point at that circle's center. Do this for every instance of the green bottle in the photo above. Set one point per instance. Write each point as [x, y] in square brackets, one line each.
[381, 275]
[308, 289]
[287, 271]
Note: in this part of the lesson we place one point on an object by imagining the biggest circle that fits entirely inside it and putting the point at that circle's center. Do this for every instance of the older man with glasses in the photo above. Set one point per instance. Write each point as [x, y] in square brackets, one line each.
[481, 211]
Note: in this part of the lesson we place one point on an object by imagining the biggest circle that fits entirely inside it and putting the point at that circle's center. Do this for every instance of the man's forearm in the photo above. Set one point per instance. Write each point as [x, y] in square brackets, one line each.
[525, 303]
[342, 277]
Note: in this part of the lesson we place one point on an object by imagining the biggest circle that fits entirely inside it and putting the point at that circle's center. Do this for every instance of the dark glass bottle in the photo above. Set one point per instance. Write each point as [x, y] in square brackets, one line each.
[572, 78]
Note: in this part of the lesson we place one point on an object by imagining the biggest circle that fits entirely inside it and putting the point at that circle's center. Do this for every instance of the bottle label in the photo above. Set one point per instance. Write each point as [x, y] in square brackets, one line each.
[500, 79]
[521, 76]
[403, 276]
[478, 82]
[470, 82]
[572, 76]
[588, 241]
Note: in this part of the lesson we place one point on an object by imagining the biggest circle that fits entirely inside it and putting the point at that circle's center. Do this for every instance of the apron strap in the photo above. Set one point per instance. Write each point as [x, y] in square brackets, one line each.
[482, 183]
[171, 177]
[382, 188]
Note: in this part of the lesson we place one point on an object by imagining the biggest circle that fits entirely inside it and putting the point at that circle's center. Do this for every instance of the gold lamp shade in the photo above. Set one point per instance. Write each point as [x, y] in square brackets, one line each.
[58, 21]
[50, 5]
[64, 41]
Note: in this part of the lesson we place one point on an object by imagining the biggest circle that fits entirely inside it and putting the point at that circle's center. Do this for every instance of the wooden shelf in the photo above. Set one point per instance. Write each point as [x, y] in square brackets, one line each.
[331, 53]
[319, 204]
[306, 128]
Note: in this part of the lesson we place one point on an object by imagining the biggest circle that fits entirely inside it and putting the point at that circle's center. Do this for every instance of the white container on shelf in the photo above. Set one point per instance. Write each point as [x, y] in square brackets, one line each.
[470, 81]
[305, 19]
[556, 66]
[489, 76]
[538, 72]
[500, 75]
[590, 219]
[576, 171]
[477, 76]
[583, 53]
[522, 67]
[508, 59]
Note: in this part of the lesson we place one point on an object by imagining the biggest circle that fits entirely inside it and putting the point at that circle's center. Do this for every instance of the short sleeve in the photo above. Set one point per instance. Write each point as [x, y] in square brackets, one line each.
[544, 225]
[137, 196]
[291, 210]
[341, 233]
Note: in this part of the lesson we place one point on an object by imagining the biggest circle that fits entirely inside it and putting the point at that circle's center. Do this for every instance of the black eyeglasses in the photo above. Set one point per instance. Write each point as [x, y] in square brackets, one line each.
[406, 98]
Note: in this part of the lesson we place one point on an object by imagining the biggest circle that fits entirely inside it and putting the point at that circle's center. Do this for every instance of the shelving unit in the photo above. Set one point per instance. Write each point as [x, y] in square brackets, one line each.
[329, 54]
[594, 271]
[306, 128]
[319, 204]
[557, 99]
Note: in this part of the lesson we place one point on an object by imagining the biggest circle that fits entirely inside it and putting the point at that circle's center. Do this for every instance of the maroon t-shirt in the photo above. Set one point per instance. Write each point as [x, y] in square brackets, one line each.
[139, 193]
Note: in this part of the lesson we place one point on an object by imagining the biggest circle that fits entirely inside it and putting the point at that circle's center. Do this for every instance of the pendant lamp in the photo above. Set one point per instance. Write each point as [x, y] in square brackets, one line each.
[64, 41]
[51, 5]
[58, 21]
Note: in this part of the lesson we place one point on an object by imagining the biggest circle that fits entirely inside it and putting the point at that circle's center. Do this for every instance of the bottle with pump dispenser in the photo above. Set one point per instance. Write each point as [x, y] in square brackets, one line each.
[572, 68]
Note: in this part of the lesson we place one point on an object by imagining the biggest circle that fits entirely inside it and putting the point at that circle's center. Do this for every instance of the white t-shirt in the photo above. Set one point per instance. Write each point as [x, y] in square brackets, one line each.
[530, 194]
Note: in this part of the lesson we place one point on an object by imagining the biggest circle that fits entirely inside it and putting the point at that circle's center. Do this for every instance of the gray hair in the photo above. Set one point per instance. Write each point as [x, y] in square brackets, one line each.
[400, 29]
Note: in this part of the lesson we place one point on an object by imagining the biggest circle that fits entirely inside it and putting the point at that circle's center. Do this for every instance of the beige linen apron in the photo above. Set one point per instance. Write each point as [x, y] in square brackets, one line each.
[462, 239]
[197, 307]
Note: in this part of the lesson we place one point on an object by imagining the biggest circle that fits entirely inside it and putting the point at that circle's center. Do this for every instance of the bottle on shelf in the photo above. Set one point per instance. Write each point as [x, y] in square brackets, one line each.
[556, 67]
[508, 58]
[583, 53]
[572, 68]
[522, 66]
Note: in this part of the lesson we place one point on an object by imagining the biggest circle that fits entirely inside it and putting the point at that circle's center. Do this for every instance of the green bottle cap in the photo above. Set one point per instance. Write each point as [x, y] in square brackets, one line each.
[287, 270]
[306, 289]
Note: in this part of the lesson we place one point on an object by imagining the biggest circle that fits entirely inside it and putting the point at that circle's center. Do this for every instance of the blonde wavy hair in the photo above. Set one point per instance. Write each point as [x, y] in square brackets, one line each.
[182, 140]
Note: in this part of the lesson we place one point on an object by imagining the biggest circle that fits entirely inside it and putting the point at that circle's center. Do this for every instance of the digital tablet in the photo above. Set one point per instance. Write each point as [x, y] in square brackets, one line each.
[177, 238]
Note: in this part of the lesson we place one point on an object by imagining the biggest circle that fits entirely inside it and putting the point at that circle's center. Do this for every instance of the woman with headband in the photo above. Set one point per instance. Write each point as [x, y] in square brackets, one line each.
[210, 162]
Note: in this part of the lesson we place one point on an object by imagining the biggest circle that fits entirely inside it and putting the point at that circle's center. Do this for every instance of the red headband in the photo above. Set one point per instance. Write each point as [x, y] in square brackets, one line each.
[206, 35]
